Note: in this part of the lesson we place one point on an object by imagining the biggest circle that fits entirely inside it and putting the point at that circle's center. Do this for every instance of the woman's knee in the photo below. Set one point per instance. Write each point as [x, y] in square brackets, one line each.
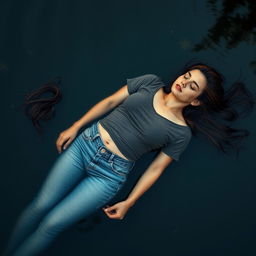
[51, 226]
[39, 206]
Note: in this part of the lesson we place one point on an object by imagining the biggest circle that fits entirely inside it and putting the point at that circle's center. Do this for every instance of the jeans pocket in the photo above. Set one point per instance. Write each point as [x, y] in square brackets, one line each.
[120, 168]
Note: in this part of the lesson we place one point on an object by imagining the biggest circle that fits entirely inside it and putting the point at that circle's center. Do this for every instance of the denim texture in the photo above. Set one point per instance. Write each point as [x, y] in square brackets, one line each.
[82, 179]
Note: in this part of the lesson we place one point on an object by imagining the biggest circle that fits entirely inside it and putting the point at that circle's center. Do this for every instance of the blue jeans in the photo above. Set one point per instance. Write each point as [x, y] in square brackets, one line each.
[83, 179]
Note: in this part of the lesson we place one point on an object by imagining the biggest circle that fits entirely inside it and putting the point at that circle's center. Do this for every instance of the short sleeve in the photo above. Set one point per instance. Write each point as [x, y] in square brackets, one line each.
[176, 148]
[134, 84]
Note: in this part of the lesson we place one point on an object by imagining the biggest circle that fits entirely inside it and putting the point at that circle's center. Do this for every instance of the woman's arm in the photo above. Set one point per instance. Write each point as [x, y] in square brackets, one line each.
[96, 111]
[103, 107]
[66, 137]
[118, 210]
[148, 178]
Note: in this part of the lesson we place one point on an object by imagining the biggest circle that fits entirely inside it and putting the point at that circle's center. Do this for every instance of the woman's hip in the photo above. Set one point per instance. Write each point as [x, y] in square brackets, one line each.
[99, 160]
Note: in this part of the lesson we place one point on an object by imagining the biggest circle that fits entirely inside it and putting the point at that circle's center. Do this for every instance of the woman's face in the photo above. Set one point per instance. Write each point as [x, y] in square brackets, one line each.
[189, 86]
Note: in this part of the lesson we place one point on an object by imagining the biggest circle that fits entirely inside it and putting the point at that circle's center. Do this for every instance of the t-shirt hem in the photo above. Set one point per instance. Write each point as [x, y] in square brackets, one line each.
[115, 141]
[173, 157]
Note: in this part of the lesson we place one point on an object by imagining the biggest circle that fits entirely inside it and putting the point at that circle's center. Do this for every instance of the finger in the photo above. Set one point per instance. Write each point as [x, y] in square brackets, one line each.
[106, 210]
[110, 213]
[59, 144]
[59, 147]
[111, 216]
[105, 207]
[67, 144]
[110, 208]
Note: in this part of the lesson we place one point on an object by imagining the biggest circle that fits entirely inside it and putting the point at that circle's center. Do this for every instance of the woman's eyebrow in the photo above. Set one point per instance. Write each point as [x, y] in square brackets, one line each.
[194, 81]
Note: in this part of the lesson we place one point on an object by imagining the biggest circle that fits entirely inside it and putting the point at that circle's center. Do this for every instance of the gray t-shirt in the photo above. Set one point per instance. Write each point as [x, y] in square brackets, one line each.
[135, 126]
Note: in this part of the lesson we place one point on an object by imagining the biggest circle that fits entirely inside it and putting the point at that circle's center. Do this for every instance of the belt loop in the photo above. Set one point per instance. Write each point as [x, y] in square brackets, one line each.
[111, 157]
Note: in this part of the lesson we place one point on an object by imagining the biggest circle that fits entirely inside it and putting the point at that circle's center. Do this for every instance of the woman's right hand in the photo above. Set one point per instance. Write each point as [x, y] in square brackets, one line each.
[66, 137]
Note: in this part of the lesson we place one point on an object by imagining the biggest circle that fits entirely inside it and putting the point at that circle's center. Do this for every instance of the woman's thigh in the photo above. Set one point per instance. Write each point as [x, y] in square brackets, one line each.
[67, 170]
[88, 196]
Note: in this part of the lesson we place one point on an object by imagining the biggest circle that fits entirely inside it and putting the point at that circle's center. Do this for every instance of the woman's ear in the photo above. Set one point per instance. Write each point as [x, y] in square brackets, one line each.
[195, 102]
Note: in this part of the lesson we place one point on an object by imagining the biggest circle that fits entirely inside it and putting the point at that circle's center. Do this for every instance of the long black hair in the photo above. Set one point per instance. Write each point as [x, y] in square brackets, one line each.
[39, 107]
[217, 106]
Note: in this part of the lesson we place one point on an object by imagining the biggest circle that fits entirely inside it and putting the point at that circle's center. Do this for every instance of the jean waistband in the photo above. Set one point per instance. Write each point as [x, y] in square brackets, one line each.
[109, 155]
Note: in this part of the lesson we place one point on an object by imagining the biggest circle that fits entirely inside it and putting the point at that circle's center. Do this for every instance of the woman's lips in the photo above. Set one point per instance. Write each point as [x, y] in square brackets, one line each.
[178, 87]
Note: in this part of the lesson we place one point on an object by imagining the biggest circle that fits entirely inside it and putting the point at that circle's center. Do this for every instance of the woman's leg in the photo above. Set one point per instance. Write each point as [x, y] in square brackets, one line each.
[65, 173]
[88, 196]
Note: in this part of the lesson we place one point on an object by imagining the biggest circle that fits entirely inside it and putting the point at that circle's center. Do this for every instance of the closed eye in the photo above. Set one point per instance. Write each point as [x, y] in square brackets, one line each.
[190, 84]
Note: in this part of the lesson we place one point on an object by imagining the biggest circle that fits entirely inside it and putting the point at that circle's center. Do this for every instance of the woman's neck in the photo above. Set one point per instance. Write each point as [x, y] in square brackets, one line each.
[173, 104]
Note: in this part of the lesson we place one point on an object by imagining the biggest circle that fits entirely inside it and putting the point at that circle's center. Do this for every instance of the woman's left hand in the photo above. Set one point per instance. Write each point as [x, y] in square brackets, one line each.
[117, 211]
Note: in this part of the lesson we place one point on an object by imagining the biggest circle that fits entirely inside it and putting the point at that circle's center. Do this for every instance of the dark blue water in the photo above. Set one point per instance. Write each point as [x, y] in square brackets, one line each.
[202, 205]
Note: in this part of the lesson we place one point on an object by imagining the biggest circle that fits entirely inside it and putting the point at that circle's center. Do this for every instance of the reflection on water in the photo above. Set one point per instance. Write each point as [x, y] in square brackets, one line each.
[235, 23]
